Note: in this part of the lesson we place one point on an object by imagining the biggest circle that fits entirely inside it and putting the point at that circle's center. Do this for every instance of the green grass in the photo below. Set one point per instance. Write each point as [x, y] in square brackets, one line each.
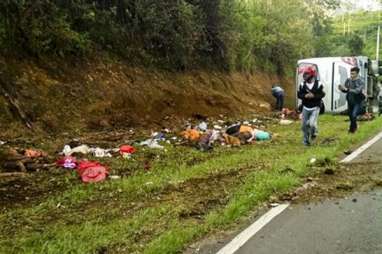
[144, 212]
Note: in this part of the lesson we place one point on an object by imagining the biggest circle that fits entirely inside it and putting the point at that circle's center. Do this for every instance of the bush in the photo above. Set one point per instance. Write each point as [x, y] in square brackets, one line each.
[177, 34]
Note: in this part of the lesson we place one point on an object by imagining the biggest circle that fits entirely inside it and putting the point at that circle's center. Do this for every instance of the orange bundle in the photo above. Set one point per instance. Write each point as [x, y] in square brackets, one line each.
[191, 134]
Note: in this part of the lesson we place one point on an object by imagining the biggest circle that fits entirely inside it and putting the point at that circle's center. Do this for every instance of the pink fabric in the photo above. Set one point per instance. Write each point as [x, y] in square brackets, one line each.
[67, 162]
[92, 172]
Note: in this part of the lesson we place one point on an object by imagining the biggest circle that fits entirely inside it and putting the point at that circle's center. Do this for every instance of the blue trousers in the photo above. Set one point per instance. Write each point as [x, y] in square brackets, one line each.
[353, 112]
[279, 100]
[309, 123]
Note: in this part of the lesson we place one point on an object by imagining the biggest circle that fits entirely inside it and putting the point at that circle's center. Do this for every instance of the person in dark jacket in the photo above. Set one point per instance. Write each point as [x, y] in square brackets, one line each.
[353, 88]
[311, 92]
[278, 93]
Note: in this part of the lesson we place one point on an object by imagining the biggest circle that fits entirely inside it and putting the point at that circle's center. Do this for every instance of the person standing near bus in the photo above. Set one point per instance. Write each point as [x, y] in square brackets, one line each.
[353, 88]
[311, 92]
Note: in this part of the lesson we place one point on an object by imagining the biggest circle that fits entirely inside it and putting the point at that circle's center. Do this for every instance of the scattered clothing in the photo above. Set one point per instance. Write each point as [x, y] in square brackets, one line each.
[84, 149]
[100, 152]
[30, 153]
[202, 126]
[126, 151]
[92, 172]
[233, 129]
[159, 136]
[67, 162]
[207, 140]
[151, 143]
[191, 134]
[262, 135]
[290, 114]
[244, 128]
[231, 140]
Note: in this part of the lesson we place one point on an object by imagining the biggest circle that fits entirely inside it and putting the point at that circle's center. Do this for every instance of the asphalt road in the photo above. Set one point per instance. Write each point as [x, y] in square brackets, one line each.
[350, 225]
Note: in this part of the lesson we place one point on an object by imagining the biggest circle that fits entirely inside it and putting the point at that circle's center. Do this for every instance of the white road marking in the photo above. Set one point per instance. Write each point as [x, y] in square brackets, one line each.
[245, 235]
[360, 150]
[249, 232]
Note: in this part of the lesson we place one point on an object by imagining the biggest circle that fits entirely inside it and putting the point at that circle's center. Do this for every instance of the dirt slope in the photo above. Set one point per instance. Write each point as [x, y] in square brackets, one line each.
[71, 95]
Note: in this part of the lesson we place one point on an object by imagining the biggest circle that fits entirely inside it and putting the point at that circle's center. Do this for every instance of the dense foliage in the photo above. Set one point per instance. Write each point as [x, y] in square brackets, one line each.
[355, 33]
[179, 34]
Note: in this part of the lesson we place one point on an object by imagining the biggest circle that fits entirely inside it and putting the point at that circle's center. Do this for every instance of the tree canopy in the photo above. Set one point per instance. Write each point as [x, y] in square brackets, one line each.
[176, 34]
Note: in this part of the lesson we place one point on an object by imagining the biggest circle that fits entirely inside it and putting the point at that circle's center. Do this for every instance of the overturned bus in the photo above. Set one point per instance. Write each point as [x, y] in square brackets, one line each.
[333, 71]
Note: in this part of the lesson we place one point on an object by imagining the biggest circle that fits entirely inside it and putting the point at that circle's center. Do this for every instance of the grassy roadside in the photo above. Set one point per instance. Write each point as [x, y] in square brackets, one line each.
[185, 195]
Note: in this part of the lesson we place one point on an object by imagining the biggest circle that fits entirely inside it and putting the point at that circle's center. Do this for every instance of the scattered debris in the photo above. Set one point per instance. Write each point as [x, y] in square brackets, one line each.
[92, 172]
[67, 162]
[290, 114]
[126, 151]
[30, 153]
[191, 134]
[305, 187]
[262, 135]
[207, 140]
[68, 151]
[217, 127]
[366, 117]
[100, 153]
[231, 140]
[15, 160]
[202, 126]
[151, 143]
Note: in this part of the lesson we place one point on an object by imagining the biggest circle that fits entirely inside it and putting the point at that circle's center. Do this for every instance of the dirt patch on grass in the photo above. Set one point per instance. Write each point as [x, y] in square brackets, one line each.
[33, 188]
[200, 195]
[189, 200]
[337, 181]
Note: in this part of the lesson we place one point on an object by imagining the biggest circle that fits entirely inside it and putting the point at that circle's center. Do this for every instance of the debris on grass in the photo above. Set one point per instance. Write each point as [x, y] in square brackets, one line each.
[67, 162]
[92, 171]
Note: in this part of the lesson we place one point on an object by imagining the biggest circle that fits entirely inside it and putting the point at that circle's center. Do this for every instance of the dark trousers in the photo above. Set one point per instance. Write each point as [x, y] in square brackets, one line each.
[353, 112]
[279, 101]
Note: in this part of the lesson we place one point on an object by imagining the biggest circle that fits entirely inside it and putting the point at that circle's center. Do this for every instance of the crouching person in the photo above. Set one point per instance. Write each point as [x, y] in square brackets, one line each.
[311, 93]
[278, 93]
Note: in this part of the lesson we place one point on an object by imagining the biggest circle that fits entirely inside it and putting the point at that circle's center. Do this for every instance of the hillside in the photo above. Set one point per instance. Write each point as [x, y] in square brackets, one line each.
[71, 96]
